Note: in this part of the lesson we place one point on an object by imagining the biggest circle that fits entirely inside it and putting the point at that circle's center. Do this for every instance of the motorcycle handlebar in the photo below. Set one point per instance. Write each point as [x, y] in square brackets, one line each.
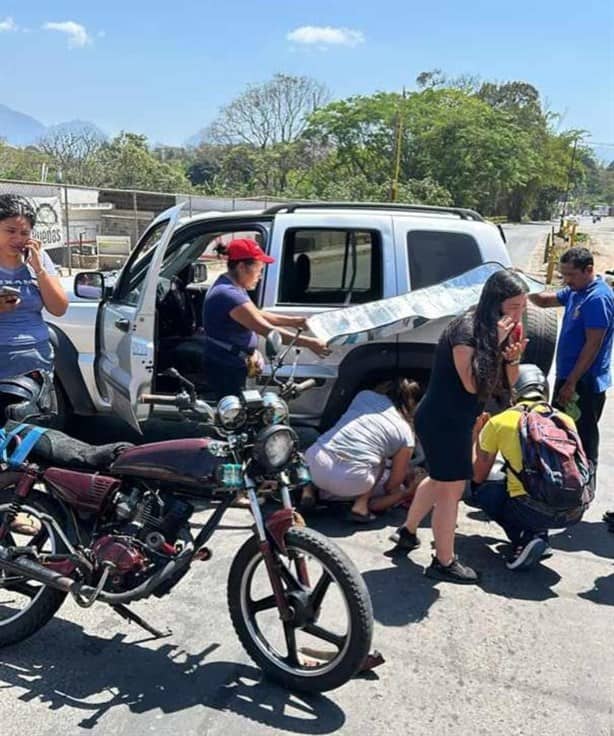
[304, 385]
[158, 399]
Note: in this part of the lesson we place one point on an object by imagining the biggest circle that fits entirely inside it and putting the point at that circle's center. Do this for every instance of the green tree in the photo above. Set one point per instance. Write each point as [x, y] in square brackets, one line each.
[127, 163]
[22, 163]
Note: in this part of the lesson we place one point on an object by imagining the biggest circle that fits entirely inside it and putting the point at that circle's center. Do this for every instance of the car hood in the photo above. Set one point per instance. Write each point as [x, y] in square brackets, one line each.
[387, 317]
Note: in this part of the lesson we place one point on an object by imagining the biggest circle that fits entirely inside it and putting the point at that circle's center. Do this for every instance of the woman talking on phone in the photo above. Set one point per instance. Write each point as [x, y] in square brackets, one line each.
[477, 358]
[28, 282]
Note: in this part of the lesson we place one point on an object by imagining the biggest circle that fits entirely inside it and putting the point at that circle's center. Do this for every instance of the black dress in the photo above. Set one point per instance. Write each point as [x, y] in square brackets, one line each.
[445, 417]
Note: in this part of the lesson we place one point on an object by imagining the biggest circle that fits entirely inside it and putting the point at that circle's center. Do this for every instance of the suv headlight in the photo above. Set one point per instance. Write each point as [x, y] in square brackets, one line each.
[231, 412]
[275, 409]
[274, 447]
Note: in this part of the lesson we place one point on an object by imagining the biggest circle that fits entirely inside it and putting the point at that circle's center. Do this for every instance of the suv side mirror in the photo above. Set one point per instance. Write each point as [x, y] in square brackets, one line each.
[89, 285]
[273, 344]
[201, 272]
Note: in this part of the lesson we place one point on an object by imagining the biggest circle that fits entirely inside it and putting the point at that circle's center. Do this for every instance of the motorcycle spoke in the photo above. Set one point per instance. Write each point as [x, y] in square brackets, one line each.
[290, 634]
[263, 604]
[319, 591]
[23, 587]
[292, 584]
[325, 635]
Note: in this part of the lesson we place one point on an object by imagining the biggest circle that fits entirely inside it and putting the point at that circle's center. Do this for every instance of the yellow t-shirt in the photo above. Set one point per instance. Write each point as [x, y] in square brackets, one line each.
[500, 434]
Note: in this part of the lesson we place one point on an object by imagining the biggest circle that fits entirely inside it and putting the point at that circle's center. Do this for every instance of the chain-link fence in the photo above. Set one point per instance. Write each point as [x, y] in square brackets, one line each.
[88, 228]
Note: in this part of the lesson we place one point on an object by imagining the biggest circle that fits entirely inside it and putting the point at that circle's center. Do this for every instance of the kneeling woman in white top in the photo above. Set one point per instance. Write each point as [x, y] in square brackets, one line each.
[350, 460]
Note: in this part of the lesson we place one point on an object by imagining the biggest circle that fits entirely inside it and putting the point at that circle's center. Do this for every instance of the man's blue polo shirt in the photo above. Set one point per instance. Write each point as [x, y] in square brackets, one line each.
[590, 308]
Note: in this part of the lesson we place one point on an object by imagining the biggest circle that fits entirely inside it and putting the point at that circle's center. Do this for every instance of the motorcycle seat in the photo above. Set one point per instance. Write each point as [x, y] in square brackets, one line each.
[55, 448]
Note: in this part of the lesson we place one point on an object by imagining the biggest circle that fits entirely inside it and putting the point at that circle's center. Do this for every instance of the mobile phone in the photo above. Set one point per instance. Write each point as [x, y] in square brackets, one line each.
[9, 291]
[516, 332]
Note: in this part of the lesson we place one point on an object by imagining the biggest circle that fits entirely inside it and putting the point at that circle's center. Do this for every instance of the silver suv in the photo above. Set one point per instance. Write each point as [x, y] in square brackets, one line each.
[115, 341]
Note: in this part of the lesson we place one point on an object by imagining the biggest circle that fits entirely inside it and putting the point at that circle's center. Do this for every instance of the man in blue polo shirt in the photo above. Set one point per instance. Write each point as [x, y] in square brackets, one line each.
[584, 350]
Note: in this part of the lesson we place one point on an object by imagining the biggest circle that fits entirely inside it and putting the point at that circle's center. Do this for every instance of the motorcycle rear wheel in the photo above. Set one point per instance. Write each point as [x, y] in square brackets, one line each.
[336, 591]
[25, 605]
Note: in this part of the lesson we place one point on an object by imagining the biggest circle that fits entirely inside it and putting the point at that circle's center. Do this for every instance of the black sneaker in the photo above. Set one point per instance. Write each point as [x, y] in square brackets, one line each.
[524, 557]
[404, 539]
[455, 572]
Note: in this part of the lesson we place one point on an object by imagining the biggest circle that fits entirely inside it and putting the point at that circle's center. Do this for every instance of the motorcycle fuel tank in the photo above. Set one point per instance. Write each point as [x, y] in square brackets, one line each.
[182, 462]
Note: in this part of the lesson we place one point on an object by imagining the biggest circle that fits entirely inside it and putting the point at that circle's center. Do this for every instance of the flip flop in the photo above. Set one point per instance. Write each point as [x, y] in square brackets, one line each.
[361, 518]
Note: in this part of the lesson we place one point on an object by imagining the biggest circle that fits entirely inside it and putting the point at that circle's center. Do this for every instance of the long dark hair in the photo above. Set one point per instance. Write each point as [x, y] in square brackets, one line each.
[404, 394]
[490, 377]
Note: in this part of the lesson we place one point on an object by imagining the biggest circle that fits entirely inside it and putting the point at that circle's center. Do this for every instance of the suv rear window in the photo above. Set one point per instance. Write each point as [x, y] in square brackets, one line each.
[330, 267]
[435, 256]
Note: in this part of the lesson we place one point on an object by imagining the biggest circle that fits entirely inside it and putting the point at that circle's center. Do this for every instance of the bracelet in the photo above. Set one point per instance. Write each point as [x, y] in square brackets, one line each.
[38, 273]
[512, 362]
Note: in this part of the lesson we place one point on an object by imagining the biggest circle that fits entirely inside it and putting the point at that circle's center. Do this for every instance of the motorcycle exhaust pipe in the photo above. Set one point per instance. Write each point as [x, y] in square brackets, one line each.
[35, 571]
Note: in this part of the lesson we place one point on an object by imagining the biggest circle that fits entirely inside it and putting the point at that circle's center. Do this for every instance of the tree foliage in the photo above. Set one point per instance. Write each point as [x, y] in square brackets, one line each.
[461, 141]
[268, 114]
[74, 154]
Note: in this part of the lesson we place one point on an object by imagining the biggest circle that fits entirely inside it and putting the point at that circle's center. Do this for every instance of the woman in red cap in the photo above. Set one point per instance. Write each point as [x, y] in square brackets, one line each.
[232, 321]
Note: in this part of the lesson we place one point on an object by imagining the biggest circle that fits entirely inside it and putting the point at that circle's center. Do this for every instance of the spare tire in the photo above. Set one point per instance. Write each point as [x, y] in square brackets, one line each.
[540, 326]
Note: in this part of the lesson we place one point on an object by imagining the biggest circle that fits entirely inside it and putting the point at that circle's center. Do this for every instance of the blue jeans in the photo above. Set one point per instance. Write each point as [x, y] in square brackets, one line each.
[516, 517]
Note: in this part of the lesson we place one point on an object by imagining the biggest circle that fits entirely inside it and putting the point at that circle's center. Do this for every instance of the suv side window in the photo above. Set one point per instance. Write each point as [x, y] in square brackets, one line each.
[133, 277]
[435, 256]
[330, 267]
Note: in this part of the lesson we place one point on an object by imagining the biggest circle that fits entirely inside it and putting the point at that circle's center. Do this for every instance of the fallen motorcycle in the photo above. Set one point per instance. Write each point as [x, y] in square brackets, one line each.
[110, 524]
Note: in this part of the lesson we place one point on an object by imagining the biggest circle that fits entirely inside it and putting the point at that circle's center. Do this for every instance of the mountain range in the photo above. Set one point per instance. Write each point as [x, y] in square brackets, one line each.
[19, 129]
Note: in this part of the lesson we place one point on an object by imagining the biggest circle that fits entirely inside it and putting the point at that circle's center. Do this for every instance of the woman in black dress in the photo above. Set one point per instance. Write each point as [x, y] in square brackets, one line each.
[477, 358]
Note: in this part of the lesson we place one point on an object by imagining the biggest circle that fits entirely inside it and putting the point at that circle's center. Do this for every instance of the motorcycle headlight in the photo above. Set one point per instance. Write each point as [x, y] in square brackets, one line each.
[275, 409]
[231, 412]
[274, 447]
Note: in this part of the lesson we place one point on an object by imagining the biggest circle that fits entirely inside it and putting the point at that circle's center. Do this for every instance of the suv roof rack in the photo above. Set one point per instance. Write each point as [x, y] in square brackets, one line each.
[463, 213]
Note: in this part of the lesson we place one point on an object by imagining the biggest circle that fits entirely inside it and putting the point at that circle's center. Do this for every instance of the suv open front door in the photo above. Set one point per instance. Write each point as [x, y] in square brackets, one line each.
[127, 322]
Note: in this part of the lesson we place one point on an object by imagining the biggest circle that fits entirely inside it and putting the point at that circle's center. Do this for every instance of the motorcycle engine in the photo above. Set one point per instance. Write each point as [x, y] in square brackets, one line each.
[127, 560]
[141, 538]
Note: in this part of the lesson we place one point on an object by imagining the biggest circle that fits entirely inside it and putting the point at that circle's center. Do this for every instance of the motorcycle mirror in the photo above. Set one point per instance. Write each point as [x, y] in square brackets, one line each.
[174, 373]
[273, 344]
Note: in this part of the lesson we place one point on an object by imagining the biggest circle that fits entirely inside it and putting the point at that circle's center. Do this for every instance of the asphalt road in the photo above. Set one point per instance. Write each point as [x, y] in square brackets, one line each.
[520, 654]
[523, 238]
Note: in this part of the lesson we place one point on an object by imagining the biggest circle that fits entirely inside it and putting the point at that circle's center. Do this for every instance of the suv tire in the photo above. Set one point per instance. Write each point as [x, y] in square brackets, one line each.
[540, 326]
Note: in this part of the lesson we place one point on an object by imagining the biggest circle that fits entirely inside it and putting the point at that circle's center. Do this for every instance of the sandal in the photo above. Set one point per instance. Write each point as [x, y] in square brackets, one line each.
[357, 518]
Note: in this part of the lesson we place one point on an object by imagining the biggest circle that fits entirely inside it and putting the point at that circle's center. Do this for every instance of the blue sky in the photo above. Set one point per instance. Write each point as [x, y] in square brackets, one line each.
[164, 68]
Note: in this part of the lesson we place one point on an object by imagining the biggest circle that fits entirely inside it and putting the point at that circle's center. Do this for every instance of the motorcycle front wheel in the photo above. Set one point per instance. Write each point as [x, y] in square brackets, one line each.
[328, 635]
[25, 605]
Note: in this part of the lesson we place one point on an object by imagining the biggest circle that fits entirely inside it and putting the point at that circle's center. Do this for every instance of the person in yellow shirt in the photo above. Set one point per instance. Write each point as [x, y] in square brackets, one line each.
[505, 501]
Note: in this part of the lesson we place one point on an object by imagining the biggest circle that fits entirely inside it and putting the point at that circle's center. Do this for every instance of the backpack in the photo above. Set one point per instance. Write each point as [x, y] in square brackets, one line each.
[555, 471]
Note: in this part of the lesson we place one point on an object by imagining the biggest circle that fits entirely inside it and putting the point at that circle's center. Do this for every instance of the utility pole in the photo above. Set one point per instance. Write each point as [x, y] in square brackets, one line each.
[569, 170]
[394, 186]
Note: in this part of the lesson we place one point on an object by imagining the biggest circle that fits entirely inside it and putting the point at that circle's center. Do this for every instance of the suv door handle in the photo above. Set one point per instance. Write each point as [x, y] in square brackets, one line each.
[123, 324]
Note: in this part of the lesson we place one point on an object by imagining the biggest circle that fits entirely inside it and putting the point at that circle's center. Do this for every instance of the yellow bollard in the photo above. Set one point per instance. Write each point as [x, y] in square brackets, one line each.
[547, 248]
[551, 262]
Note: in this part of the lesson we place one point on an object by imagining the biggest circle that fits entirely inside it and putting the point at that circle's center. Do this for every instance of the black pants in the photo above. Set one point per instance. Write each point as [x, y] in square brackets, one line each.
[591, 408]
[224, 380]
[518, 519]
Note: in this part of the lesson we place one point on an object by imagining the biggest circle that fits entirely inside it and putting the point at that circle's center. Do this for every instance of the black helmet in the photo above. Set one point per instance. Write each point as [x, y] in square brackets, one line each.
[26, 398]
[531, 380]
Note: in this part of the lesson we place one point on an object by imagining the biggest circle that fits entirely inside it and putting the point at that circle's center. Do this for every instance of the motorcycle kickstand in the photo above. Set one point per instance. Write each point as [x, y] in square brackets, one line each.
[131, 616]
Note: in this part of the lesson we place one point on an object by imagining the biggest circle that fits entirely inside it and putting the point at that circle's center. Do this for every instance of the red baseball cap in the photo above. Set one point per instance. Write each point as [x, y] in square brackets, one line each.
[243, 249]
